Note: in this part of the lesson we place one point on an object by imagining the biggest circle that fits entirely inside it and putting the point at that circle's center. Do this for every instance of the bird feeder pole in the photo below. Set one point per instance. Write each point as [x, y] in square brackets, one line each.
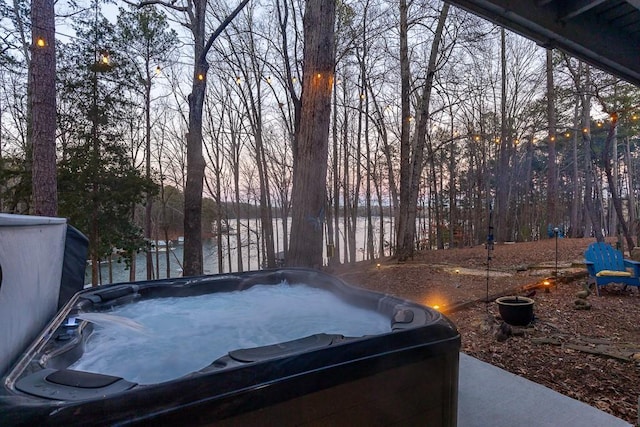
[556, 230]
[489, 249]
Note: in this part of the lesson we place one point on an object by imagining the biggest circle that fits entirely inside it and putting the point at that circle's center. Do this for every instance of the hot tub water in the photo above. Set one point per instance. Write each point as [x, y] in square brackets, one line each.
[180, 335]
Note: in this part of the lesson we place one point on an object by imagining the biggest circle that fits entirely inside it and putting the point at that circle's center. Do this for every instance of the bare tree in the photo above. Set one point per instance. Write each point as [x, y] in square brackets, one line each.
[552, 180]
[584, 87]
[412, 152]
[250, 58]
[196, 12]
[613, 187]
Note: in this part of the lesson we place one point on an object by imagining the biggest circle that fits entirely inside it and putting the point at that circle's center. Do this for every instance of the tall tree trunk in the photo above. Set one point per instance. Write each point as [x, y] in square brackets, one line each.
[310, 171]
[415, 165]
[577, 228]
[334, 239]
[552, 181]
[348, 250]
[355, 191]
[502, 172]
[453, 217]
[404, 246]
[613, 190]
[614, 226]
[581, 120]
[435, 196]
[149, 198]
[589, 177]
[42, 100]
[633, 228]
[381, 236]
[193, 262]
[266, 217]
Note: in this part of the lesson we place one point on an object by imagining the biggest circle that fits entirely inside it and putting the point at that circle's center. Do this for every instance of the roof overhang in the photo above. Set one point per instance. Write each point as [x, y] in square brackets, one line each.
[604, 33]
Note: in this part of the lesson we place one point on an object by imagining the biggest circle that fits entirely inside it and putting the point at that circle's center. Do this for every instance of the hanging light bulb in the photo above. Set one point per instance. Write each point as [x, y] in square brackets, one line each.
[105, 59]
[103, 62]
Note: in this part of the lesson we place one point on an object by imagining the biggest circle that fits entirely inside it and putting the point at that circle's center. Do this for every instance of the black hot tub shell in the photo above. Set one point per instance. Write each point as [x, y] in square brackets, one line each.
[408, 376]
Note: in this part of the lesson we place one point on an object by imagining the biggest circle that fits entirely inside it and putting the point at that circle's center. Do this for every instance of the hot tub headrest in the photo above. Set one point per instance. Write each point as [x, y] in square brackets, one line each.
[80, 379]
[258, 354]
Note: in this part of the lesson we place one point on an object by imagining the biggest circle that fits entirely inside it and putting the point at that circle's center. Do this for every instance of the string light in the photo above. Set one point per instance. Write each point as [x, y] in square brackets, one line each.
[295, 79]
[238, 80]
[585, 130]
[158, 70]
[269, 80]
[40, 42]
[200, 76]
[105, 59]
[319, 76]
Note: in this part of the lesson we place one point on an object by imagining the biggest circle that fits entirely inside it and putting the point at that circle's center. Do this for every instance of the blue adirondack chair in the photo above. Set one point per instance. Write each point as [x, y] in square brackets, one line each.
[606, 264]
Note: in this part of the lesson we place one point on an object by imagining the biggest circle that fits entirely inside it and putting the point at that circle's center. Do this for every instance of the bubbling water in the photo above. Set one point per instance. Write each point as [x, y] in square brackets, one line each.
[167, 338]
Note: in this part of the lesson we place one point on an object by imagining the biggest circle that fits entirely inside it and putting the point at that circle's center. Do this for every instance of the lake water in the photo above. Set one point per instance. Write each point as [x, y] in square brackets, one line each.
[120, 273]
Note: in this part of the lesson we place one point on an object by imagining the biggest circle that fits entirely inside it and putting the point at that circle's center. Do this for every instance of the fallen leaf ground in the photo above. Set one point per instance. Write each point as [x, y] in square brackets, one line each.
[590, 355]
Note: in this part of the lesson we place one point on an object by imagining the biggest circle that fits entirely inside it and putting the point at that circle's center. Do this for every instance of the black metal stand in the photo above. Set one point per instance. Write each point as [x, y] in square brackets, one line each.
[489, 249]
[556, 230]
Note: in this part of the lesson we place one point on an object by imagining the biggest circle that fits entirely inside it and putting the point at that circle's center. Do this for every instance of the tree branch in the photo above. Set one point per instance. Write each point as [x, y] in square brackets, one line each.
[219, 30]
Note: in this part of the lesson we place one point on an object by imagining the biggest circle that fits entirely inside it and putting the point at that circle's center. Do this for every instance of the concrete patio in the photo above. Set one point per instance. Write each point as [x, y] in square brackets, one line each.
[490, 396]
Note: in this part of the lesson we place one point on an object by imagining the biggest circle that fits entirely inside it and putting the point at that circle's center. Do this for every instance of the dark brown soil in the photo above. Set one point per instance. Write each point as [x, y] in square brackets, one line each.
[590, 355]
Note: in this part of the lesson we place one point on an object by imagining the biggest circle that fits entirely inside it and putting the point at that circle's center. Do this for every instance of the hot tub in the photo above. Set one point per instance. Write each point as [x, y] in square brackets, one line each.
[399, 366]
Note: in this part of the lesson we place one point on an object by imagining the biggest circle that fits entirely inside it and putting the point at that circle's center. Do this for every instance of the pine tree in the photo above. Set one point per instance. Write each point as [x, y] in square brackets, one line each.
[98, 185]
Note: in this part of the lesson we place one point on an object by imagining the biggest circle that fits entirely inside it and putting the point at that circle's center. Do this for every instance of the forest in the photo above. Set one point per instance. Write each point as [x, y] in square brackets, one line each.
[452, 129]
